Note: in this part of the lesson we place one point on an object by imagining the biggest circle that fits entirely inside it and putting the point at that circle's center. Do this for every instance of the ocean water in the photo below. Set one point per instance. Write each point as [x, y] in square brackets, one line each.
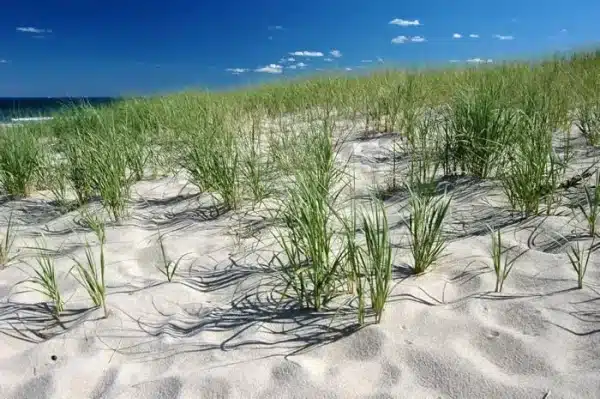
[27, 109]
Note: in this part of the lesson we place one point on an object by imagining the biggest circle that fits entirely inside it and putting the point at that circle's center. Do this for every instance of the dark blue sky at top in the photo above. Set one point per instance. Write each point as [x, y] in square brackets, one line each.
[109, 47]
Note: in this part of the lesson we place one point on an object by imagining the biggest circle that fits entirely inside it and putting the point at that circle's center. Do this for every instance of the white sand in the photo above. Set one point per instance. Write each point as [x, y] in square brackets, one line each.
[215, 332]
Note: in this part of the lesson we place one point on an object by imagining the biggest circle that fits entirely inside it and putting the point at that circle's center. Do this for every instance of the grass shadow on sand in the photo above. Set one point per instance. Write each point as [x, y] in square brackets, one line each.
[36, 322]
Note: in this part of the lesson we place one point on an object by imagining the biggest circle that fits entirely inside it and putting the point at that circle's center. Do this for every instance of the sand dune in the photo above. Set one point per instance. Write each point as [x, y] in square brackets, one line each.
[216, 330]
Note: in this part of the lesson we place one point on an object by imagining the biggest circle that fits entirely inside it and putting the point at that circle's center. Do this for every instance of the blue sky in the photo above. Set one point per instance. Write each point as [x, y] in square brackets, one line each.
[109, 47]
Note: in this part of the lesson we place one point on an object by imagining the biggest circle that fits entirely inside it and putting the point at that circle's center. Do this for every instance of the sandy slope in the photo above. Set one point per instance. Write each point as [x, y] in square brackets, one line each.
[216, 332]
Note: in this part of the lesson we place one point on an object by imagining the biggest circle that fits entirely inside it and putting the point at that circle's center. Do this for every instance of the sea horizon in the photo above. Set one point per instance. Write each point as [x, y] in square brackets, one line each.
[12, 108]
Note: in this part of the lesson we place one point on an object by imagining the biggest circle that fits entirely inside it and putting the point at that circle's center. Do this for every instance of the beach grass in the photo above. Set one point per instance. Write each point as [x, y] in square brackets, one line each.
[283, 141]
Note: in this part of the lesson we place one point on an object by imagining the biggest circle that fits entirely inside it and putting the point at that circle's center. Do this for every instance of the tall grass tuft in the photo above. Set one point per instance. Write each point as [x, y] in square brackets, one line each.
[534, 171]
[311, 268]
[376, 259]
[425, 225]
[212, 157]
[20, 161]
[479, 127]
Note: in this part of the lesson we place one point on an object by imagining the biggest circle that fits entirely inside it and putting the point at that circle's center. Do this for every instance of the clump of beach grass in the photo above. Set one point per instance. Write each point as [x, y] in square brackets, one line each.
[310, 267]
[211, 156]
[376, 257]
[425, 225]
[479, 128]
[20, 161]
[534, 171]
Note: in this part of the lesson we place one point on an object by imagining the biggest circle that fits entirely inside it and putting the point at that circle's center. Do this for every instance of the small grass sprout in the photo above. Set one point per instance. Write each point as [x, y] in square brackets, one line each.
[501, 262]
[579, 257]
[6, 245]
[90, 274]
[169, 267]
[44, 279]
[591, 208]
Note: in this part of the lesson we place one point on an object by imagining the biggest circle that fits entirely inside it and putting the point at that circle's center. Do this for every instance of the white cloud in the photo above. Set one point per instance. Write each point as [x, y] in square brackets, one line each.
[474, 36]
[271, 68]
[456, 36]
[31, 29]
[417, 39]
[501, 37]
[236, 71]
[366, 61]
[399, 39]
[348, 69]
[380, 60]
[300, 65]
[276, 27]
[563, 31]
[335, 53]
[291, 59]
[327, 59]
[479, 61]
[405, 22]
[454, 61]
[307, 54]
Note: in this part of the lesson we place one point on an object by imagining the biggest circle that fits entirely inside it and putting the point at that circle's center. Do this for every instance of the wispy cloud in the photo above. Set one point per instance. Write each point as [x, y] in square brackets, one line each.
[335, 53]
[300, 65]
[456, 36]
[454, 61]
[327, 59]
[399, 39]
[404, 39]
[307, 54]
[276, 27]
[501, 37]
[380, 60]
[479, 61]
[237, 71]
[3, 61]
[405, 22]
[348, 69]
[474, 36]
[366, 61]
[563, 31]
[271, 68]
[31, 29]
